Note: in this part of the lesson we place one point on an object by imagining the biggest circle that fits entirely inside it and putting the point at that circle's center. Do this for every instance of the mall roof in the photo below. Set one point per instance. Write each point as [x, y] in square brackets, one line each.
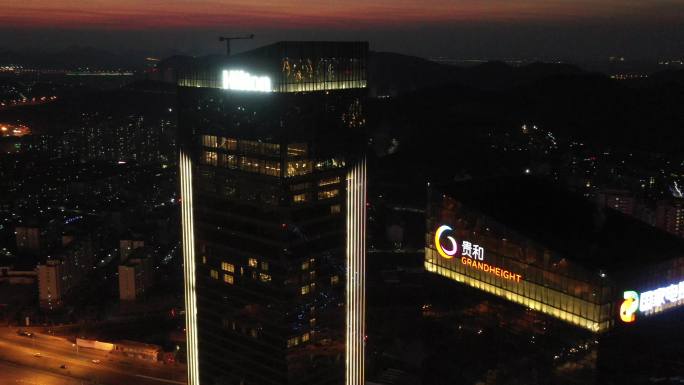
[567, 222]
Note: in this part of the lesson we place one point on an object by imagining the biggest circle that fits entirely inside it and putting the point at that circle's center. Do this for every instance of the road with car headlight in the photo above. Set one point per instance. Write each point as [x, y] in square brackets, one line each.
[45, 360]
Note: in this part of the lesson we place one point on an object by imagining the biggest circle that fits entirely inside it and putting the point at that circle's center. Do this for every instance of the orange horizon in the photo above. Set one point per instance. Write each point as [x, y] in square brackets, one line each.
[288, 14]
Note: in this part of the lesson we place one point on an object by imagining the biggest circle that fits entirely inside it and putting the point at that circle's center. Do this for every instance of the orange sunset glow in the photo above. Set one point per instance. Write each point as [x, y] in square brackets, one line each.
[129, 14]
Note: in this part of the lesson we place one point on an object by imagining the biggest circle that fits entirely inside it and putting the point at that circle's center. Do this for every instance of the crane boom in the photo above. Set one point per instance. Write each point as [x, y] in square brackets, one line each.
[227, 39]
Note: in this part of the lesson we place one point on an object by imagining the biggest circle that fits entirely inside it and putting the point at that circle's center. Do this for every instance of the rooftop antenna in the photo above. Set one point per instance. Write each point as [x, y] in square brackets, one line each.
[227, 39]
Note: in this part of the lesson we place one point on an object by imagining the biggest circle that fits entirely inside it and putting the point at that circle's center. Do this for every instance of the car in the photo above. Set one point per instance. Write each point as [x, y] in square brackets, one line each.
[24, 333]
[37, 354]
[63, 366]
[95, 361]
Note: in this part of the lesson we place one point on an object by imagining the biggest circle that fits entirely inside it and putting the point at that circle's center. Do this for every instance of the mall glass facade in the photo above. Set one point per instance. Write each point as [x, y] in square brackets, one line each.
[515, 267]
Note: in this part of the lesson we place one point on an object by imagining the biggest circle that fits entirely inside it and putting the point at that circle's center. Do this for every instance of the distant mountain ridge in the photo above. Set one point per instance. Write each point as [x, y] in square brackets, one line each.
[394, 73]
[74, 57]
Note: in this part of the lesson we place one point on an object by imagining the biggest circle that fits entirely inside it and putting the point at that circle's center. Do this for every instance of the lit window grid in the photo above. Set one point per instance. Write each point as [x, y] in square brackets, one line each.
[229, 267]
[546, 295]
[216, 81]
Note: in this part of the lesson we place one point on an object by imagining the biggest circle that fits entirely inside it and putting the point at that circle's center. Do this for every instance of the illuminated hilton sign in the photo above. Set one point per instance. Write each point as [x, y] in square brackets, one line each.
[652, 301]
[471, 254]
[239, 80]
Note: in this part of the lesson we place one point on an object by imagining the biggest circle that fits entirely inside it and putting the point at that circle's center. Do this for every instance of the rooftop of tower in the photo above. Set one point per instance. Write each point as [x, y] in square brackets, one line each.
[283, 67]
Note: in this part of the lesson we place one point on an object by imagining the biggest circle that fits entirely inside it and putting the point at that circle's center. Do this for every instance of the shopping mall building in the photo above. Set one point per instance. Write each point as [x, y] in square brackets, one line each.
[553, 251]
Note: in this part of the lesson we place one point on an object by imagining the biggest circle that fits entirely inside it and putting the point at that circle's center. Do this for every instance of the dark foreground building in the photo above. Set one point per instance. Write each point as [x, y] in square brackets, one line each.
[273, 200]
[552, 251]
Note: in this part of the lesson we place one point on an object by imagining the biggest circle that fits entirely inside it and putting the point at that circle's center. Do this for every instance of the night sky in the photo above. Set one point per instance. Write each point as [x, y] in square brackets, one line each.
[580, 29]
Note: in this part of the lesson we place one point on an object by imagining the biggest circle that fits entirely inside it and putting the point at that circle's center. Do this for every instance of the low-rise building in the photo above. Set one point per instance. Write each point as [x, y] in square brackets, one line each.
[135, 275]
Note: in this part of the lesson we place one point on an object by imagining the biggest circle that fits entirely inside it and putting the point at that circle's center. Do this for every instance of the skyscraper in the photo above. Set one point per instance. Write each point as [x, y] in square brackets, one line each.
[273, 214]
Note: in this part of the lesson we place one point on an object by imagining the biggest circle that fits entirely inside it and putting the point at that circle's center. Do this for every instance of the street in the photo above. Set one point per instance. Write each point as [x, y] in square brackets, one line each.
[40, 359]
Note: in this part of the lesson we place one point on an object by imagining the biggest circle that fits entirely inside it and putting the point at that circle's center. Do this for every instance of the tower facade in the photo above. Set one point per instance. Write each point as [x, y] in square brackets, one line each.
[273, 181]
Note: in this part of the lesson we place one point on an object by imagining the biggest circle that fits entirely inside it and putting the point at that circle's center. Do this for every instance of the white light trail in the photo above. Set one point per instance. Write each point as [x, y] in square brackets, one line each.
[188, 240]
[356, 275]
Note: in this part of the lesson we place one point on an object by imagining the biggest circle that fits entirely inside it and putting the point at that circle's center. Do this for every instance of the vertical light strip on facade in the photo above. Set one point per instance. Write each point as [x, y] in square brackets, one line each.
[188, 239]
[356, 274]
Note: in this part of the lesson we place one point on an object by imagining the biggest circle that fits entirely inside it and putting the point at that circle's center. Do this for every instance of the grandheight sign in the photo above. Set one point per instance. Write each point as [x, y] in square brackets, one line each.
[471, 254]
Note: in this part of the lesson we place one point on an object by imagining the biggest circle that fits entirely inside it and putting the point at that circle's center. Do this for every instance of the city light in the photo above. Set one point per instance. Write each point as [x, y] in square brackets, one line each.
[468, 248]
[356, 275]
[652, 301]
[188, 239]
[487, 268]
[629, 306]
[661, 298]
[239, 80]
[448, 254]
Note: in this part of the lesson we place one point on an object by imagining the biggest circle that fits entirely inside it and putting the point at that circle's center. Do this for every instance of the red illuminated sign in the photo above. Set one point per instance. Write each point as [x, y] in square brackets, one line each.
[487, 268]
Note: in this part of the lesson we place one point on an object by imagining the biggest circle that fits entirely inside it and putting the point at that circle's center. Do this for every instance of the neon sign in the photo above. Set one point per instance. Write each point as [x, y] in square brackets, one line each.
[629, 306]
[487, 268]
[445, 253]
[651, 301]
[472, 254]
[243, 81]
[467, 249]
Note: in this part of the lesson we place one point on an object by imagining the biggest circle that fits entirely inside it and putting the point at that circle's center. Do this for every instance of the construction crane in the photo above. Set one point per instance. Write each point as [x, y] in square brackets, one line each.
[227, 39]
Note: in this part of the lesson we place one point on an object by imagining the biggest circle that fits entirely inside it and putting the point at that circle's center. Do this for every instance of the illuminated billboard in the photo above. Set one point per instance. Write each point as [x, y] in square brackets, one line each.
[467, 248]
[471, 254]
[652, 301]
[239, 80]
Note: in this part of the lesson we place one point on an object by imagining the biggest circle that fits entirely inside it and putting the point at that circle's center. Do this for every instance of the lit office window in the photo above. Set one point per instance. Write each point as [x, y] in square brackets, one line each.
[335, 209]
[291, 342]
[271, 168]
[305, 337]
[328, 194]
[227, 278]
[264, 266]
[297, 150]
[229, 144]
[297, 168]
[209, 158]
[214, 274]
[272, 149]
[305, 265]
[263, 277]
[204, 260]
[305, 289]
[249, 164]
[334, 280]
[227, 161]
[252, 262]
[329, 181]
[209, 141]
[299, 198]
[328, 164]
[225, 266]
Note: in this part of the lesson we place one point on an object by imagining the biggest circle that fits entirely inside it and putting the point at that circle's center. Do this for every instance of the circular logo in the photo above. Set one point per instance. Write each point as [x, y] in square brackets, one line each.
[629, 306]
[444, 252]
